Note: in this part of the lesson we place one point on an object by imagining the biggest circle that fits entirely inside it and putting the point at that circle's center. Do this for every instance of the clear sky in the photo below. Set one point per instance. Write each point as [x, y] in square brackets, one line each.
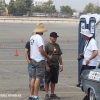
[75, 4]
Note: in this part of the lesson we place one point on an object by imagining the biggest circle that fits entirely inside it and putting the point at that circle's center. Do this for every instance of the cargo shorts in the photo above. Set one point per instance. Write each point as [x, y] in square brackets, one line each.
[38, 69]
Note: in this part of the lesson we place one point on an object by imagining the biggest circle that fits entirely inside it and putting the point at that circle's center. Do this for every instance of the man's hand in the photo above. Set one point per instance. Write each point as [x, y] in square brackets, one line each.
[61, 68]
[47, 68]
[29, 61]
[48, 58]
[87, 62]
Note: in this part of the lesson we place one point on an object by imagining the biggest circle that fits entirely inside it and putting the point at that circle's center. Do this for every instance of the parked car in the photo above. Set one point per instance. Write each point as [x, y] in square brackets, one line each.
[90, 83]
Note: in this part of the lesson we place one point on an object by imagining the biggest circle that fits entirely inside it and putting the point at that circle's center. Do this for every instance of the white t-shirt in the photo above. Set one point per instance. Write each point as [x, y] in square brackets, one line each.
[35, 42]
[88, 50]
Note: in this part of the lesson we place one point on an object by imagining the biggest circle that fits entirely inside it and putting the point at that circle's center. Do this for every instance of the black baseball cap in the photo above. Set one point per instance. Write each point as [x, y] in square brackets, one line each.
[53, 34]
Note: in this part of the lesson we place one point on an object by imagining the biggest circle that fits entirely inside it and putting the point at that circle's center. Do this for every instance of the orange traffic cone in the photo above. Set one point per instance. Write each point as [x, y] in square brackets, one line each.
[68, 41]
[3, 46]
[22, 40]
[16, 52]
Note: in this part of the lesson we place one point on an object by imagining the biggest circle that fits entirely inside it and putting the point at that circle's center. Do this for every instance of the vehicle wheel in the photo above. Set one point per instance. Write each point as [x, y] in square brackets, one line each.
[91, 95]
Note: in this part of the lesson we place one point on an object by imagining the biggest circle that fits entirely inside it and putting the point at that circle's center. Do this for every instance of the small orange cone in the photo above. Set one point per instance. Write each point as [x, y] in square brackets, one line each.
[68, 41]
[22, 40]
[16, 52]
[3, 46]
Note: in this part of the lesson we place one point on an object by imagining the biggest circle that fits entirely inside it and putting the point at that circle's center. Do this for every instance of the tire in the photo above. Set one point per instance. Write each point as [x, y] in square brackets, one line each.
[91, 95]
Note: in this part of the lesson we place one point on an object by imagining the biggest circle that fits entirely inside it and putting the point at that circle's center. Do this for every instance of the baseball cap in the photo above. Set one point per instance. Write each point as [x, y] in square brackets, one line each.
[53, 34]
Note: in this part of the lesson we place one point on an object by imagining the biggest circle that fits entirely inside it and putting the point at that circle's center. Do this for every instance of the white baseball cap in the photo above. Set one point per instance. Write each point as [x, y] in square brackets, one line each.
[86, 32]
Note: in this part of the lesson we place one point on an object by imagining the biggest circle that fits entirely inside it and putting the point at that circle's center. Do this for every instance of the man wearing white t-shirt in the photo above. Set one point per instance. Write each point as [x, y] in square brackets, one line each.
[90, 51]
[38, 56]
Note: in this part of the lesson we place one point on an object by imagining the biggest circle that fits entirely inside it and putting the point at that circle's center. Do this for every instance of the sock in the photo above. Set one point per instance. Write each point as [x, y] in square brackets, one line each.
[35, 96]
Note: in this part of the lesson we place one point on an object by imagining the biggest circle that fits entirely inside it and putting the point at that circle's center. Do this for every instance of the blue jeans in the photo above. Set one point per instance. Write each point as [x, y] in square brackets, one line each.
[42, 83]
[30, 75]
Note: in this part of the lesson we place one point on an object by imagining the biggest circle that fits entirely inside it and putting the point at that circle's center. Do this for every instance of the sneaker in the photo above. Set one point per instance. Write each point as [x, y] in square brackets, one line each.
[30, 98]
[47, 97]
[78, 85]
[37, 98]
[42, 88]
[54, 96]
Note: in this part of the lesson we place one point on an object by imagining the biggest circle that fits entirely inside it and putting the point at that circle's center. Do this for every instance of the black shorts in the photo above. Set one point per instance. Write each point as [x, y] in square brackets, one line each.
[52, 76]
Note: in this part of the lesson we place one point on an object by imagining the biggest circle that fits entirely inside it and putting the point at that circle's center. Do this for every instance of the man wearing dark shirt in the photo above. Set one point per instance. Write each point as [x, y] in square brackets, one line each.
[27, 55]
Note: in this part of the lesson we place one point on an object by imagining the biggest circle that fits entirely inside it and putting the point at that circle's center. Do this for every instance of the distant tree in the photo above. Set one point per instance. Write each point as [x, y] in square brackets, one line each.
[53, 9]
[45, 8]
[97, 8]
[89, 8]
[11, 7]
[32, 9]
[2, 6]
[38, 8]
[66, 9]
[48, 3]
[6, 5]
[74, 10]
[48, 7]
[20, 7]
[28, 5]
